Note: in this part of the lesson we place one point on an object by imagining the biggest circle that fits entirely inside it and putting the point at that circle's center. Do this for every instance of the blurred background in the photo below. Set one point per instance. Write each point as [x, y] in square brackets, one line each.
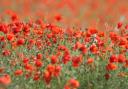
[68, 13]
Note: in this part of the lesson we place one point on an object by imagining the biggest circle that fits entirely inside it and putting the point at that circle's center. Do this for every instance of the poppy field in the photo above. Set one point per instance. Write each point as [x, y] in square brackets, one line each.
[63, 44]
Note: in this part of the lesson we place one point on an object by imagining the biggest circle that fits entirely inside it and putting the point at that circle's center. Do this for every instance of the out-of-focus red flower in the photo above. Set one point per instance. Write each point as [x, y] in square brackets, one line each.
[10, 37]
[66, 58]
[14, 17]
[18, 72]
[2, 38]
[25, 60]
[47, 77]
[101, 34]
[4, 28]
[119, 25]
[5, 80]
[83, 49]
[50, 68]
[76, 60]
[28, 75]
[39, 56]
[36, 76]
[29, 67]
[107, 76]
[92, 31]
[113, 58]
[6, 53]
[114, 36]
[74, 83]
[31, 41]
[90, 60]
[126, 27]
[121, 58]
[2, 69]
[54, 59]
[111, 66]
[57, 71]
[58, 17]
[38, 63]
[39, 43]
[93, 49]
[20, 41]
[122, 42]
[77, 45]
[26, 29]
[61, 47]
[16, 29]
[67, 87]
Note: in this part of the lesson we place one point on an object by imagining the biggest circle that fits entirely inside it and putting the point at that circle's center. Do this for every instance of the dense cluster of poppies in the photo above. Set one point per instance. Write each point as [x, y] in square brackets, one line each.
[63, 44]
[43, 52]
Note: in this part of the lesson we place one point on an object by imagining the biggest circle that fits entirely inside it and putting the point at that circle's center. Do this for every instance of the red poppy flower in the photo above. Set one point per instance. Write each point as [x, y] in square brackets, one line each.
[18, 72]
[74, 83]
[20, 41]
[67, 87]
[111, 66]
[76, 61]
[90, 60]
[50, 68]
[92, 31]
[121, 58]
[119, 25]
[29, 67]
[39, 56]
[25, 60]
[107, 76]
[53, 59]
[83, 49]
[93, 49]
[57, 71]
[10, 37]
[47, 77]
[58, 17]
[113, 58]
[6, 53]
[5, 80]
[66, 58]
[38, 63]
